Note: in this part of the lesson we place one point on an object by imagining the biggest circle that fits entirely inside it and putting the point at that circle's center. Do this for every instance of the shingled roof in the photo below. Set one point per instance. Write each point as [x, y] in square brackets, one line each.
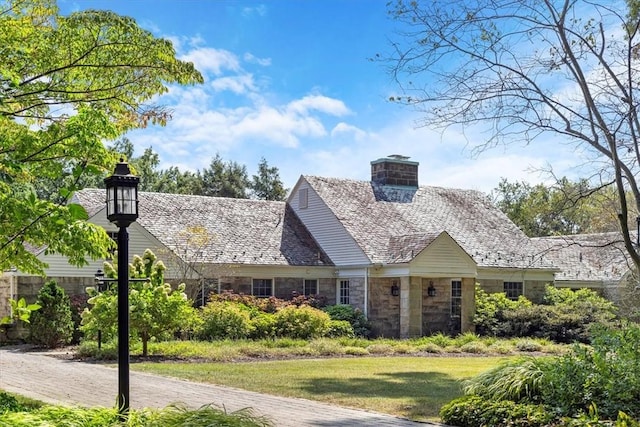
[598, 257]
[240, 231]
[393, 224]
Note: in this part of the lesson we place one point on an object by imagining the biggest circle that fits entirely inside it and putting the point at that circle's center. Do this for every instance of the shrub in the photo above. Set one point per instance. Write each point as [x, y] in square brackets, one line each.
[51, 326]
[222, 320]
[78, 303]
[489, 310]
[301, 322]
[357, 319]
[474, 411]
[339, 328]
[264, 326]
[9, 403]
[604, 375]
[566, 316]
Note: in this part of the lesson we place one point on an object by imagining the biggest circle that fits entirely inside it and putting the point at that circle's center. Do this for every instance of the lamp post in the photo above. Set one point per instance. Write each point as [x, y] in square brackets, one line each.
[122, 210]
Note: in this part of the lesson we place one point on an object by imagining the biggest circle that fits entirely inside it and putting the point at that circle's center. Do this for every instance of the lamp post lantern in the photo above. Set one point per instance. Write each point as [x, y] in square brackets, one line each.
[122, 210]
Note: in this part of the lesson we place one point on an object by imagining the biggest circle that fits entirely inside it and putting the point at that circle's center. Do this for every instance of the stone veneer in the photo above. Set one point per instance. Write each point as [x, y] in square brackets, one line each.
[29, 286]
[384, 308]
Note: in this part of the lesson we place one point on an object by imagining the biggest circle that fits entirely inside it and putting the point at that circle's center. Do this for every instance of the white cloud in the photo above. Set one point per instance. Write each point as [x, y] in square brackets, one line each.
[207, 59]
[265, 62]
[346, 130]
[237, 84]
[318, 103]
[260, 10]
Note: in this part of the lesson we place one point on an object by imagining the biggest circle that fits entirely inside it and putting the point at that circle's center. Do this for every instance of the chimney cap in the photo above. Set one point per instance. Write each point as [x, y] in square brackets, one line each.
[398, 157]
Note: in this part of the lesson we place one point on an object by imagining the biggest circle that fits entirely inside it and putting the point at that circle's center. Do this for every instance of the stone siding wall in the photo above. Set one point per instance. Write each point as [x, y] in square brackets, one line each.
[5, 295]
[327, 289]
[29, 286]
[384, 308]
[286, 287]
[436, 310]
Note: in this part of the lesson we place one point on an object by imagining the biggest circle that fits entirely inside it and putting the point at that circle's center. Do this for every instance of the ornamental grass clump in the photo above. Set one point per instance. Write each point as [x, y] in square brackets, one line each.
[172, 416]
[589, 385]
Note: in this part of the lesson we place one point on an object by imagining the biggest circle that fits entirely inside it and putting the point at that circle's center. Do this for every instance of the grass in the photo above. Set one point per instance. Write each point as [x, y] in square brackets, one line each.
[410, 378]
[17, 411]
[412, 387]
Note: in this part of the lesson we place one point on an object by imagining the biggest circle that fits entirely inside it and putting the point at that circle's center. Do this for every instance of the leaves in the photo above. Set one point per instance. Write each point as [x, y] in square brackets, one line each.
[67, 85]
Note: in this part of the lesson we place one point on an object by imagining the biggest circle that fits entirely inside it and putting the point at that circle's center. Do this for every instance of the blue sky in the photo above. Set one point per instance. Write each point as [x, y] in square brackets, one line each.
[291, 81]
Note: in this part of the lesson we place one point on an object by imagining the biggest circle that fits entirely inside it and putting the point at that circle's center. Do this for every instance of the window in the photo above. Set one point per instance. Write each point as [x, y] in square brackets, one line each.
[310, 287]
[456, 298]
[343, 295]
[303, 198]
[513, 289]
[262, 287]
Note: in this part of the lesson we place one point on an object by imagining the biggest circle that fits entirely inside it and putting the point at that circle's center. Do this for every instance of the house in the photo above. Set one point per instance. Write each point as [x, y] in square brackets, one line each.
[409, 256]
[596, 261]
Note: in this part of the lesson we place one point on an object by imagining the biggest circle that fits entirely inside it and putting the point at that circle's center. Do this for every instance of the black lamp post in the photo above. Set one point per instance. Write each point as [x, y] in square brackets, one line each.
[122, 210]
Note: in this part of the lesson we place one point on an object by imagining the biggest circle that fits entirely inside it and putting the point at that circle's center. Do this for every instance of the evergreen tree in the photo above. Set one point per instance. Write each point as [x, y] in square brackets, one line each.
[51, 326]
[266, 184]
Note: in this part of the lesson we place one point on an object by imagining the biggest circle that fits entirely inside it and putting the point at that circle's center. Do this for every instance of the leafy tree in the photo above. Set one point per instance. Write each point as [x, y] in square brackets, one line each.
[156, 311]
[225, 179]
[564, 208]
[67, 84]
[266, 185]
[52, 325]
[518, 71]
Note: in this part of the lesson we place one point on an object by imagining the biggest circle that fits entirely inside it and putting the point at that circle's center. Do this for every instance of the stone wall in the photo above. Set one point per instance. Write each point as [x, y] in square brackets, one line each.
[327, 289]
[436, 310]
[384, 308]
[5, 295]
[29, 286]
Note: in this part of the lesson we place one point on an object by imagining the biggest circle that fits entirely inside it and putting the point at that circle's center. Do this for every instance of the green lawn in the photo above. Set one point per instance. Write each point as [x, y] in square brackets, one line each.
[412, 387]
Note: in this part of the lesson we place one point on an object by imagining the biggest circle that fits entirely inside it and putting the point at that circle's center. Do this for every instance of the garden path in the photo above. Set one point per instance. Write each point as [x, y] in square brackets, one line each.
[58, 380]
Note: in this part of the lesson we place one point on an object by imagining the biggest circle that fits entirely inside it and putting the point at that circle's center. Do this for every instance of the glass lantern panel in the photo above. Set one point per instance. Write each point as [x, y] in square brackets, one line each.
[111, 200]
[126, 201]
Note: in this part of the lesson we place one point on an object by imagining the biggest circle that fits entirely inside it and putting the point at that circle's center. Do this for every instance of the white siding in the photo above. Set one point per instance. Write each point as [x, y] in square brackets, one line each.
[443, 258]
[326, 229]
[139, 240]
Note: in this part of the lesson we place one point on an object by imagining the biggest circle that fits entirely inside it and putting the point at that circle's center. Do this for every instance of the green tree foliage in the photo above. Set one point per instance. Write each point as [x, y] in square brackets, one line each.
[518, 72]
[156, 311]
[266, 184]
[52, 325]
[564, 208]
[225, 179]
[68, 83]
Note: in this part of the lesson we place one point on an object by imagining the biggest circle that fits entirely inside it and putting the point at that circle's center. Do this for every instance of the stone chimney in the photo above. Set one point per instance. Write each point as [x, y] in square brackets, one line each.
[395, 170]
